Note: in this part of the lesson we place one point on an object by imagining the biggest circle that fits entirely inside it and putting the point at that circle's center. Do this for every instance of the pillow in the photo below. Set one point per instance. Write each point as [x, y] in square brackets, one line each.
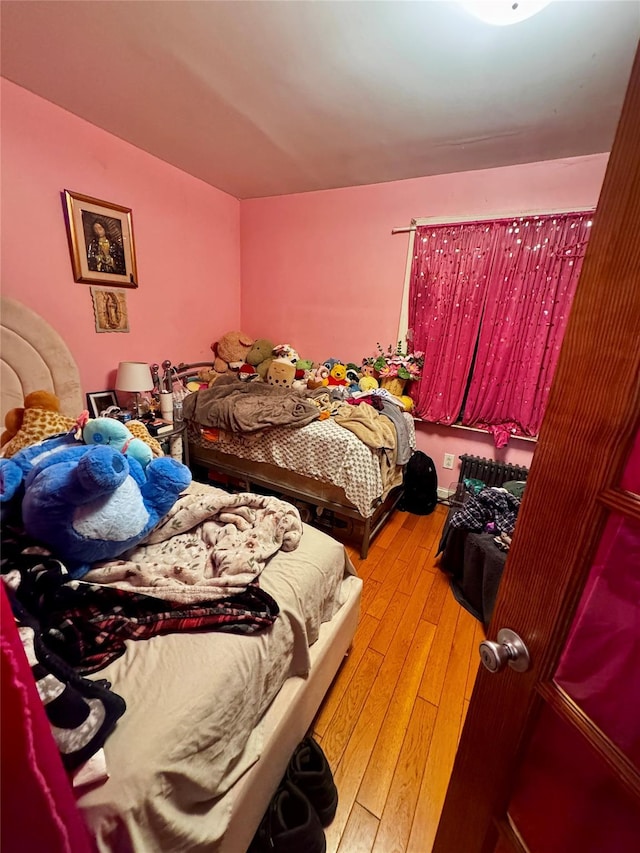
[37, 425]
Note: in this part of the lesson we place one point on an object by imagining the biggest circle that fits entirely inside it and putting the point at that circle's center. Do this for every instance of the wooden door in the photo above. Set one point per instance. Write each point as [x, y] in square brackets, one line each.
[531, 744]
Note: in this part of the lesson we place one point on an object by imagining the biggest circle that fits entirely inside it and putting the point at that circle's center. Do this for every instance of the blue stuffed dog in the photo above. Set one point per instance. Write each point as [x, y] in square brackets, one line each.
[90, 503]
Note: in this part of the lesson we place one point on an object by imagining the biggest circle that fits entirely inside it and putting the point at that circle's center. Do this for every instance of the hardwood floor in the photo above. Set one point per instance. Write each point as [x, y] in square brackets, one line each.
[391, 722]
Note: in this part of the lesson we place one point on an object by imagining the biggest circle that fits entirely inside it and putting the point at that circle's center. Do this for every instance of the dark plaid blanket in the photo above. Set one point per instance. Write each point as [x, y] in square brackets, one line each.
[87, 624]
[495, 506]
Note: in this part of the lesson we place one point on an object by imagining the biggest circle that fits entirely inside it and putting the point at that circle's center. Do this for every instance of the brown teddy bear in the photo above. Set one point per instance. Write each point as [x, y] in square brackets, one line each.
[230, 354]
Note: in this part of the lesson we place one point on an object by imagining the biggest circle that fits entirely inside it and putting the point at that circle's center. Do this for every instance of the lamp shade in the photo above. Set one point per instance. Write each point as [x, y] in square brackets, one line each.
[134, 376]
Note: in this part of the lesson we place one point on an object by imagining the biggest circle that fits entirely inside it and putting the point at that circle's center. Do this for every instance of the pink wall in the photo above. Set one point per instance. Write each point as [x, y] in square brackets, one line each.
[319, 270]
[322, 271]
[187, 239]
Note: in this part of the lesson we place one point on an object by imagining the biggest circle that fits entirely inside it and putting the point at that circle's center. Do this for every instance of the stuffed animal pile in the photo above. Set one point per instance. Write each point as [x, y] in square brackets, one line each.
[230, 355]
[280, 365]
[89, 494]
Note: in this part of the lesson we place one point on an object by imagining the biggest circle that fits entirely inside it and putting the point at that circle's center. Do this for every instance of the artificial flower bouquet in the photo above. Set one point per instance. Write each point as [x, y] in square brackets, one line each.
[396, 364]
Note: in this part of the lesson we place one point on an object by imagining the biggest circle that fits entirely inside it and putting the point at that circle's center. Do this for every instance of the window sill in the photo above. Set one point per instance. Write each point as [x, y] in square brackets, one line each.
[475, 429]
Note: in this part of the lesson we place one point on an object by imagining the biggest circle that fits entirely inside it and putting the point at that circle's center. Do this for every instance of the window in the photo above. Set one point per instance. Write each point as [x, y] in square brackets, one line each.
[488, 304]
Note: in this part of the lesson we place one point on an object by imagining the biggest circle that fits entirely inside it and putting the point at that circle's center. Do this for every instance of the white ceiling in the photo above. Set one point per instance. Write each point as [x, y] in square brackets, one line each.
[264, 98]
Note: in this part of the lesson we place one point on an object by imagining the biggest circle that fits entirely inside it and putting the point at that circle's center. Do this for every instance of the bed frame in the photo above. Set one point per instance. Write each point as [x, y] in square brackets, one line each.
[325, 498]
[33, 356]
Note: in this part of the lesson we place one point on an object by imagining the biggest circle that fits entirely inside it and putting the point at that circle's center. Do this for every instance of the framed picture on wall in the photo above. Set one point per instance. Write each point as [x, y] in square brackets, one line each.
[110, 310]
[100, 241]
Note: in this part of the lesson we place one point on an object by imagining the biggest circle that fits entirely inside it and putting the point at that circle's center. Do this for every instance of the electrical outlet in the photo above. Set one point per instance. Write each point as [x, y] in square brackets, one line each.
[448, 460]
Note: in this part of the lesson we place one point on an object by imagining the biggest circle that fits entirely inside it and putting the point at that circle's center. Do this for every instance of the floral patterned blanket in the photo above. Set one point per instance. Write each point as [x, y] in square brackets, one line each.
[210, 545]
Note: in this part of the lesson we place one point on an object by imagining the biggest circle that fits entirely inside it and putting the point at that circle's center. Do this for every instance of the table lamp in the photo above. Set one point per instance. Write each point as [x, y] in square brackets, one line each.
[134, 376]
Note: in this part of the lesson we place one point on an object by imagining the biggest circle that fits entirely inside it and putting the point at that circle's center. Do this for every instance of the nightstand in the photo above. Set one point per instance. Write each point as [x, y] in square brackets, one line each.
[179, 431]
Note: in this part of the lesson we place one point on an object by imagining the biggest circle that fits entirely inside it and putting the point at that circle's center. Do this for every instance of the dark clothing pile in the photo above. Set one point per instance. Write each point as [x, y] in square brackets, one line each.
[87, 624]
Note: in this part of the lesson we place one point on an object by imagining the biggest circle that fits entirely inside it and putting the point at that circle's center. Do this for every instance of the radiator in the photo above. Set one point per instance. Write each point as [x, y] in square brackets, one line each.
[491, 473]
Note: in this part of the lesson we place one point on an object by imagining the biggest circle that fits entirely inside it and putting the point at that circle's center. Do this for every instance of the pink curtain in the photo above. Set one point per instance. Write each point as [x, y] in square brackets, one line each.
[531, 284]
[447, 294]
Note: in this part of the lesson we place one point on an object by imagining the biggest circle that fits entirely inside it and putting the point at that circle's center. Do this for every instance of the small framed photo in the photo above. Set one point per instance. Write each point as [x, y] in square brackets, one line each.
[99, 401]
[101, 243]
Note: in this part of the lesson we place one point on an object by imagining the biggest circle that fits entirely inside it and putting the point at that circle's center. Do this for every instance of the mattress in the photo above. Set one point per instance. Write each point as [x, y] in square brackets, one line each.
[193, 704]
[322, 450]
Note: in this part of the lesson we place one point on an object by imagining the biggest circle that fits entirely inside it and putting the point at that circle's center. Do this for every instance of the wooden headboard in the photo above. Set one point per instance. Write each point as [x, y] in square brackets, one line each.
[33, 356]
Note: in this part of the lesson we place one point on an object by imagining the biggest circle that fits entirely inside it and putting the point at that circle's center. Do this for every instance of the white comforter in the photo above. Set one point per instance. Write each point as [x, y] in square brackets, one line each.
[209, 545]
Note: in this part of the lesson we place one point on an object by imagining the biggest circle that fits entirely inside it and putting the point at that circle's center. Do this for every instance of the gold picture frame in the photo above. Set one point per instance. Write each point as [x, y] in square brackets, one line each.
[101, 241]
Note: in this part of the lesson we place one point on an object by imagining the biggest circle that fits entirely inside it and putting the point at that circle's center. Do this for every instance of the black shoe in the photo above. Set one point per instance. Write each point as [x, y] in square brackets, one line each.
[290, 825]
[309, 770]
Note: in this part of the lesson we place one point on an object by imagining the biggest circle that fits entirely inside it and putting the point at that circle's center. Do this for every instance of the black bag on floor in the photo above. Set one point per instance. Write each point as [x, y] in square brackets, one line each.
[420, 485]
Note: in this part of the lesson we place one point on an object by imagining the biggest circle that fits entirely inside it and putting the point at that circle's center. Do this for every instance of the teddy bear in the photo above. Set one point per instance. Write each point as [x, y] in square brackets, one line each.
[206, 377]
[230, 354]
[89, 502]
[260, 356]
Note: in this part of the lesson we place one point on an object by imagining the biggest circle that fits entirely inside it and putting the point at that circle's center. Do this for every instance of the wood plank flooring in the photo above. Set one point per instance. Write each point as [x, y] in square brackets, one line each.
[391, 721]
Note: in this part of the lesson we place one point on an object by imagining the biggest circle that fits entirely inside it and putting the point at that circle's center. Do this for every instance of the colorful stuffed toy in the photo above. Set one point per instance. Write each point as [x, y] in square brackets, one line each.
[368, 383]
[353, 378]
[286, 352]
[318, 377]
[38, 419]
[111, 433]
[338, 374]
[303, 368]
[260, 356]
[90, 503]
[281, 372]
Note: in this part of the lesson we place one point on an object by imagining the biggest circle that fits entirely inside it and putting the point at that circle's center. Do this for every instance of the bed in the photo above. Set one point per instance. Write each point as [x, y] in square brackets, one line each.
[193, 766]
[319, 465]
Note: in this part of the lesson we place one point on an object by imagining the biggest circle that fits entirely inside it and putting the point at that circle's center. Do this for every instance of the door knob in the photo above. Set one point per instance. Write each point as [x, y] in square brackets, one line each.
[509, 649]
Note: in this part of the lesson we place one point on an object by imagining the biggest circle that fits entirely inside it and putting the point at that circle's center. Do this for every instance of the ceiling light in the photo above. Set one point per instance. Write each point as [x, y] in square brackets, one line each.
[503, 12]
